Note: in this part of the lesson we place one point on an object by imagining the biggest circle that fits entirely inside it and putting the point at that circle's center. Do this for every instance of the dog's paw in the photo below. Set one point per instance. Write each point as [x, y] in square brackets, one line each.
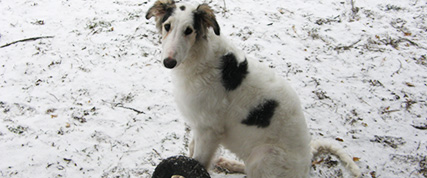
[177, 176]
[229, 166]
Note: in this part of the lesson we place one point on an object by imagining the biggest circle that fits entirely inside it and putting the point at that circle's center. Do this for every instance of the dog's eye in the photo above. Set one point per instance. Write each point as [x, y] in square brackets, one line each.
[167, 27]
[188, 31]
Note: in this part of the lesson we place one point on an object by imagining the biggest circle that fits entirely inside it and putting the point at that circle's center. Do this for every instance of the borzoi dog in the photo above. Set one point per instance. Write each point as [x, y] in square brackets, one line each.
[229, 99]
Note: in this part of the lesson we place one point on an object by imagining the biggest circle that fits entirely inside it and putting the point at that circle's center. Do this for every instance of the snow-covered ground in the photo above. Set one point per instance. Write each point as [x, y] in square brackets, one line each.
[93, 99]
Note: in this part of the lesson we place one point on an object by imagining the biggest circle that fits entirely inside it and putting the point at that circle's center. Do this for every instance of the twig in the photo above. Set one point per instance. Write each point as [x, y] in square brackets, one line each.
[421, 127]
[54, 96]
[411, 42]
[395, 43]
[398, 70]
[133, 109]
[390, 111]
[157, 153]
[415, 3]
[25, 40]
[352, 6]
[347, 47]
[354, 11]
[224, 8]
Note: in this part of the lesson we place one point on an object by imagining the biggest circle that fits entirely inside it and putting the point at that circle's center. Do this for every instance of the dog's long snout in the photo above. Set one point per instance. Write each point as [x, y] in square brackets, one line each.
[169, 63]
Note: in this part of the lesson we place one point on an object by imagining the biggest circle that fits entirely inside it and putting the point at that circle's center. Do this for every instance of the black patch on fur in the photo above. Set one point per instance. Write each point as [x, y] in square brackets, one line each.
[233, 73]
[261, 115]
[182, 8]
[169, 12]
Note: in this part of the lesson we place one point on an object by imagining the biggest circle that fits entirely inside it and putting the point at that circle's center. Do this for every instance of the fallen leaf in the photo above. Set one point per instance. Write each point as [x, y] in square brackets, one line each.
[293, 28]
[339, 139]
[356, 159]
[373, 174]
[49, 111]
[53, 116]
[409, 84]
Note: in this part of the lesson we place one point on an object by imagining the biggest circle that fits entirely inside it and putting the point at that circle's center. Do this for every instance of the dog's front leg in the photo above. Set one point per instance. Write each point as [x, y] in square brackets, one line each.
[206, 142]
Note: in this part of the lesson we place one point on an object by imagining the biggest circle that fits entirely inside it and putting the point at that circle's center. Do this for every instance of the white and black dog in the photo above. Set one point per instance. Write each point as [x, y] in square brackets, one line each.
[231, 100]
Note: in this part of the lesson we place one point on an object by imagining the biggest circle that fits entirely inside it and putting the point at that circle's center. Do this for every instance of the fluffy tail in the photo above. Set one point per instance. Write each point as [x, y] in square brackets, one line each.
[320, 146]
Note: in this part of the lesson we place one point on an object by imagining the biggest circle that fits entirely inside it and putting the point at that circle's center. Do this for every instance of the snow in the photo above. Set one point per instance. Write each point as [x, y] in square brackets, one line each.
[95, 101]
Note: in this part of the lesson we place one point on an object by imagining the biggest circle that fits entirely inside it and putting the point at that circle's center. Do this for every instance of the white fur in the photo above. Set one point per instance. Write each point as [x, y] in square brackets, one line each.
[280, 150]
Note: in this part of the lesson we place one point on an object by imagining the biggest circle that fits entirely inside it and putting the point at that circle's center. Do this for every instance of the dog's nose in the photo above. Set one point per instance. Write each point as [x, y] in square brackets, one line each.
[169, 63]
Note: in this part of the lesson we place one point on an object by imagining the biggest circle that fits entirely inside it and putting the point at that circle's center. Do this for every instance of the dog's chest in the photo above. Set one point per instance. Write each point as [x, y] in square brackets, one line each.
[200, 98]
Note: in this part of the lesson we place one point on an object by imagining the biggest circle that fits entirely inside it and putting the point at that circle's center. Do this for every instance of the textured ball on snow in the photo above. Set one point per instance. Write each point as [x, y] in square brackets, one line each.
[182, 166]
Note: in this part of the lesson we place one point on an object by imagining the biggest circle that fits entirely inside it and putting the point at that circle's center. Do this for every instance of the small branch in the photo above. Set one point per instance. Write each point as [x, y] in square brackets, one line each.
[421, 127]
[25, 40]
[354, 10]
[415, 3]
[389, 111]
[157, 153]
[347, 47]
[133, 109]
[411, 42]
[398, 70]
[224, 8]
[352, 6]
[54, 96]
[395, 43]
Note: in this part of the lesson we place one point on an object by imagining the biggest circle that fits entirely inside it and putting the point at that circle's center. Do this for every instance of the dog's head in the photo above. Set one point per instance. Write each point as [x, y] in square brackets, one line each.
[181, 25]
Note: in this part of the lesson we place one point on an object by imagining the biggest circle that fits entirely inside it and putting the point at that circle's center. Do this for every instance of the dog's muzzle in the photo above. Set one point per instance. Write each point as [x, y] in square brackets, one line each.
[169, 63]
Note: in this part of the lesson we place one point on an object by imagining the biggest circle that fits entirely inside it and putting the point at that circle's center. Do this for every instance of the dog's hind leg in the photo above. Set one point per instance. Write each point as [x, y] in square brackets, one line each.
[270, 161]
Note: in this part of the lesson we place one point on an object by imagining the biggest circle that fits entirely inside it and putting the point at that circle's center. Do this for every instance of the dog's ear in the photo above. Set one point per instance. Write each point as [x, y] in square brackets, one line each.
[204, 18]
[161, 10]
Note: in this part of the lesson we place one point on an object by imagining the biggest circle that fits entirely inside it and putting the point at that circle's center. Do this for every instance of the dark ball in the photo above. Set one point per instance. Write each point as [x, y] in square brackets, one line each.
[180, 165]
